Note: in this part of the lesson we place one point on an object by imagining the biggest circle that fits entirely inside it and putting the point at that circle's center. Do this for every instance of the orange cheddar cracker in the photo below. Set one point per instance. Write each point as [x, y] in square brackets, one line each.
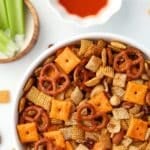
[57, 137]
[135, 93]
[67, 60]
[101, 103]
[28, 132]
[60, 110]
[137, 129]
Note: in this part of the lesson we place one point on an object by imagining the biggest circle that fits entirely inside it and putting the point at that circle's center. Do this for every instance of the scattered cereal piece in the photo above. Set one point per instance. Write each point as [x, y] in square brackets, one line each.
[101, 103]
[28, 132]
[120, 113]
[4, 96]
[119, 80]
[57, 137]
[118, 91]
[127, 141]
[67, 60]
[135, 93]
[137, 129]
[60, 109]
[93, 64]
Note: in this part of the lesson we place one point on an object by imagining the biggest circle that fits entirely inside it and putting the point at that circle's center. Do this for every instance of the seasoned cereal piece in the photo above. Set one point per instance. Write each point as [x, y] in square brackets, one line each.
[101, 103]
[93, 64]
[106, 71]
[57, 137]
[85, 44]
[66, 132]
[119, 147]
[119, 80]
[77, 134]
[118, 91]
[120, 113]
[135, 93]
[39, 98]
[67, 60]
[137, 129]
[28, 132]
[4, 96]
[76, 95]
[60, 110]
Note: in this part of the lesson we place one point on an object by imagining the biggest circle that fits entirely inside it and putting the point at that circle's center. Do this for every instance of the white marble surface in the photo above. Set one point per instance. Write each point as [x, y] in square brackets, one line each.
[132, 20]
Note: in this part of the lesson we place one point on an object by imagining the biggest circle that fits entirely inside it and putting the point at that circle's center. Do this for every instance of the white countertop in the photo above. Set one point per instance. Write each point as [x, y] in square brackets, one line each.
[132, 20]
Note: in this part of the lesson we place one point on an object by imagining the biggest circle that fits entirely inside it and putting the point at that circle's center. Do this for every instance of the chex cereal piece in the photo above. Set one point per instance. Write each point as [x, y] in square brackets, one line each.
[77, 134]
[93, 64]
[68, 146]
[76, 95]
[135, 93]
[120, 113]
[4, 96]
[67, 60]
[57, 137]
[119, 80]
[28, 132]
[101, 103]
[60, 109]
[137, 129]
[66, 132]
[85, 44]
[118, 91]
[106, 71]
[39, 98]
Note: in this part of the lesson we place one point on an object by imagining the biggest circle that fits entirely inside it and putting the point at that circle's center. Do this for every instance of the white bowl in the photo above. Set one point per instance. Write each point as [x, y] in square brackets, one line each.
[103, 16]
[49, 51]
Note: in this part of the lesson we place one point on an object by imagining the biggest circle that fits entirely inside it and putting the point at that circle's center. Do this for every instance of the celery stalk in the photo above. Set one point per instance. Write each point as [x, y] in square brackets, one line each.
[7, 46]
[15, 11]
[3, 15]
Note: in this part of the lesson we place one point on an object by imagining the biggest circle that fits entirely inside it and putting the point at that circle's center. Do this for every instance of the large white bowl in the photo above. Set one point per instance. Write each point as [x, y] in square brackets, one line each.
[103, 16]
[94, 36]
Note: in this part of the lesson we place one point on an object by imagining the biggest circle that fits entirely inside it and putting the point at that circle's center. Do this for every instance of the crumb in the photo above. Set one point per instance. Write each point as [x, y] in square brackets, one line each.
[4, 96]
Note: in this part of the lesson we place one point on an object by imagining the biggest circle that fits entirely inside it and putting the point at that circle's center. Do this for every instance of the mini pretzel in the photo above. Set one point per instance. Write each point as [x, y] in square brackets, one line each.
[38, 115]
[130, 61]
[104, 120]
[81, 75]
[55, 83]
[44, 142]
[91, 118]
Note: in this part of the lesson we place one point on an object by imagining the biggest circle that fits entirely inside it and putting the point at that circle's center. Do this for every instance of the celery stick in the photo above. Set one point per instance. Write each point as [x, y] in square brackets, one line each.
[7, 46]
[15, 11]
[3, 16]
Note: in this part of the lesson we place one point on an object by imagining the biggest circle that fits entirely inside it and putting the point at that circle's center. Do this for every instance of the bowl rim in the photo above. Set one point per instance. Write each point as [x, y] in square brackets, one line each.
[51, 50]
[34, 38]
[61, 12]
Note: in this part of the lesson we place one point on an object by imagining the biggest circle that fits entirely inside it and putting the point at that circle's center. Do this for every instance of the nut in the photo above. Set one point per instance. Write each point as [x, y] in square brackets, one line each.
[97, 89]
[127, 105]
[115, 100]
[29, 84]
[118, 137]
[118, 45]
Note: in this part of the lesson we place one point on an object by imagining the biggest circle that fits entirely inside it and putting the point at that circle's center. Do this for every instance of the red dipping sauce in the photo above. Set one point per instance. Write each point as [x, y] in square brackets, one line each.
[83, 8]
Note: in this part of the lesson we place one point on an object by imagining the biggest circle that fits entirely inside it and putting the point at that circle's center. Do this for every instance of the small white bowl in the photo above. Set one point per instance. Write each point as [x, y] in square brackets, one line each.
[49, 51]
[103, 16]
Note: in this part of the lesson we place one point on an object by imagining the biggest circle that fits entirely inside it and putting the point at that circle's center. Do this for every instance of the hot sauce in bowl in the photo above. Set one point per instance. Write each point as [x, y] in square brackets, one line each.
[83, 8]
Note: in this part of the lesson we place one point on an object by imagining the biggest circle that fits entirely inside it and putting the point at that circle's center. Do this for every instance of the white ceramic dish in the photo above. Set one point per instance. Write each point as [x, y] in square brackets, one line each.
[51, 50]
[103, 16]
